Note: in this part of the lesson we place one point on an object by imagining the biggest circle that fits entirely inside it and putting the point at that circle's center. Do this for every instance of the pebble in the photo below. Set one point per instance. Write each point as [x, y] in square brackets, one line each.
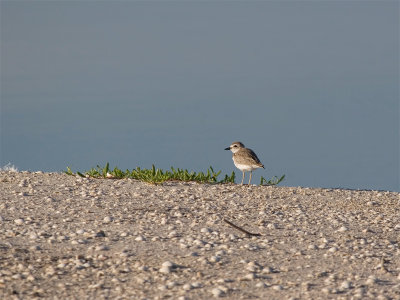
[250, 276]
[107, 219]
[33, 236]
[197, 285]
[267, 270]
[371, 280]
[172, 284]
[261, 285]
[167, 267]
[172, 234]
[168, 264]
[345, 285]
[100, 233]
[19, 221]
[140, 238]
[217, 292]
[214, 259]
[205, 230]
[101, 248]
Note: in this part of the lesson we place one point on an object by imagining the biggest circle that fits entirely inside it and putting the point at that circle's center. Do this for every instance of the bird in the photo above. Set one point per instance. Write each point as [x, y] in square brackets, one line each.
[244, 159]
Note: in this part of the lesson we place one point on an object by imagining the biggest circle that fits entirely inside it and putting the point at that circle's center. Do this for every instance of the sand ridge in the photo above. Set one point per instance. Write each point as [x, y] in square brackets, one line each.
[68, 237]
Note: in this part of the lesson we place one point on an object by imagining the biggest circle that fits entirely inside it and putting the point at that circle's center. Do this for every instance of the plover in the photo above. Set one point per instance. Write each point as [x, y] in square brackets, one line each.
[244, 158]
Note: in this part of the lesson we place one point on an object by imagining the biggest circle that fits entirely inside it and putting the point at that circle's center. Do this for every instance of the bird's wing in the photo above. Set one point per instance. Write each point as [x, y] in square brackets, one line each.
[250, 157]
[253, 156]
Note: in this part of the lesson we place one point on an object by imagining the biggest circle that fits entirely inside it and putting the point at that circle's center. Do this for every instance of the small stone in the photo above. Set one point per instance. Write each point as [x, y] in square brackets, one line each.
[205, 230]
[268, 270]
[62, 238]
[342, 229]
[333, 249]
[140, 238]
[168, 264]
[61, 266]
[107, 219]
[196, 285]
[143, 268]
[101, 248]
[33, 236]
[187, 287]
[165, 270]
[100, 233]
[326, 290]
[345, 285]
[371, 280]
[35, 248]
[261, 285]
[19, 221]
[214, 259]
[217, 292]
[252, 268]
[30, 278]
[359, 292]
[172, 234]
[250, 276]
[277, 287]
[50, 271]
[172, 284]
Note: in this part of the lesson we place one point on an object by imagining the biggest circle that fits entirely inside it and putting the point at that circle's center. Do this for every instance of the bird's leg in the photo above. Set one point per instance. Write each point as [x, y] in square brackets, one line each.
[250, 177]
[242, 177]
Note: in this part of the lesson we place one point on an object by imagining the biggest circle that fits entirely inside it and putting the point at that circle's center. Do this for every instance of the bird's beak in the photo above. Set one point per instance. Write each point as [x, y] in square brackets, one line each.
[228, 148]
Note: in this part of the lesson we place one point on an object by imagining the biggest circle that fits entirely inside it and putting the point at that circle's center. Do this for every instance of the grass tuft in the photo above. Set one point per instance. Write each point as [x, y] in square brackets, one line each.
[158, 176]
[273, 181]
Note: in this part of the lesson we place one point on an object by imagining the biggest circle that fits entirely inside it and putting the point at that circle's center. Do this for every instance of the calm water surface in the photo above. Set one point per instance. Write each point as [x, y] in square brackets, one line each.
[311, 87]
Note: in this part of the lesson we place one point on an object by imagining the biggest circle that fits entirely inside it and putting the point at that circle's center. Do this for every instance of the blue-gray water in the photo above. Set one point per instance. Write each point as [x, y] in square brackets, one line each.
[310, 86]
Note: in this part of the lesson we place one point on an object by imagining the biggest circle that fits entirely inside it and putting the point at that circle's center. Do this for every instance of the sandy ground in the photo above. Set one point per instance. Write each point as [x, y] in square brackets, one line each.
[64, 237]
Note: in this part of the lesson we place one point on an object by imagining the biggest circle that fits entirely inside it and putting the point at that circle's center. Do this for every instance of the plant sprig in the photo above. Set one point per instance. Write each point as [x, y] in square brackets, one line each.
[273, 181]
[158, 176]
[155, 176]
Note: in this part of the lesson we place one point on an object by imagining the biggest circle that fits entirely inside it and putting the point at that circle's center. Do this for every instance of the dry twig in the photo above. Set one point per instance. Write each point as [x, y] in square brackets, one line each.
[241, 229]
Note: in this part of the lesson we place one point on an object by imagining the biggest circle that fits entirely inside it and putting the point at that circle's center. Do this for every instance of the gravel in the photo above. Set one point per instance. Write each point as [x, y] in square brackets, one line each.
[78, 238]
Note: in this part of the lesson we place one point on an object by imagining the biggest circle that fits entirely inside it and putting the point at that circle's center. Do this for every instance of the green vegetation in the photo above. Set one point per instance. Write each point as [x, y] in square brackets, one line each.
[273, 181]
[157, 176]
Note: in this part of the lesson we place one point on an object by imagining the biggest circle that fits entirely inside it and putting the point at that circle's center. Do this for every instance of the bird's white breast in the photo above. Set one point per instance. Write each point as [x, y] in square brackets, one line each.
[245, 168]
